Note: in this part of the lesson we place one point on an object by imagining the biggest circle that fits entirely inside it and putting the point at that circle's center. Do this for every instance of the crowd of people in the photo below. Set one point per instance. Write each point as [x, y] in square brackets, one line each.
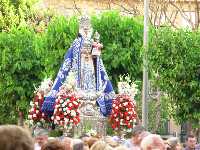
[18, 138]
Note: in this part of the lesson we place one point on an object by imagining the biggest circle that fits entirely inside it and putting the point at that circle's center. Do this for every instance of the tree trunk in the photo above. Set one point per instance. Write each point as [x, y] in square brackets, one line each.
[21, 119]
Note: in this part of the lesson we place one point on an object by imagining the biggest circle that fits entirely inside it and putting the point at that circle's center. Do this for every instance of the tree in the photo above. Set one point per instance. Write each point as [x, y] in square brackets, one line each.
[174, 55]
[122, 40]
[20, 69]
[171, 13]
[15, 13]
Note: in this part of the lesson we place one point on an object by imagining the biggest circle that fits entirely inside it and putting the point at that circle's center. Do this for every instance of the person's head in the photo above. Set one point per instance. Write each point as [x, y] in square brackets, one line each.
[41, 136]
[78, 144]
[84, 137]
[121, 147]
[152, 142]
[101, 145]
[53, 145]
[15, 138]
[191, 141]
[111, 142]
[91, 141]
[67, 141]
[136, 134]
[173, 144]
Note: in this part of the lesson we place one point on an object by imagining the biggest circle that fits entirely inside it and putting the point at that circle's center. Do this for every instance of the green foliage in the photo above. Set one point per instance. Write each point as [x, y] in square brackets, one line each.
[26, 58]
[19, 68]
[59, 36]
[175, 55]
[122, 40]
[14, 13]
[164, 115]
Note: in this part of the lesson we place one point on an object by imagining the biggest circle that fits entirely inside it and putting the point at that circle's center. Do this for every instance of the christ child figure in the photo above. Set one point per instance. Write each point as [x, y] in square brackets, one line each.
[96, 46]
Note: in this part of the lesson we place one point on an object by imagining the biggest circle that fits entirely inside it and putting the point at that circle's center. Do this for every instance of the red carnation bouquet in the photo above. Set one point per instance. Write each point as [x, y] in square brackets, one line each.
[36, 116]
[123, 116]
[66, 112]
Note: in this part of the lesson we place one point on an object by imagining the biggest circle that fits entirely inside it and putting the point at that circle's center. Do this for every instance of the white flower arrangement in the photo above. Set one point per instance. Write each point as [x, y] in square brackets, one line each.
[70, 82]
[45, 86]
[127, 87]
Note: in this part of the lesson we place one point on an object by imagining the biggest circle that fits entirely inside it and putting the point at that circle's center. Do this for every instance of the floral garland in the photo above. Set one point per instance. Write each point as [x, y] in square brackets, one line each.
[66, 112]
[123, 116]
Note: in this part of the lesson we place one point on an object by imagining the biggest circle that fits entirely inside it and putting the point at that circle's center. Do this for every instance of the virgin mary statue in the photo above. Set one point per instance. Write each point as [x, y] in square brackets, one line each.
[88, 68]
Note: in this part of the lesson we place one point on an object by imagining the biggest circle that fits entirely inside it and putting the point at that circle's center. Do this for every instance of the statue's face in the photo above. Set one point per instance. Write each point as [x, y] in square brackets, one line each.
[86, 31]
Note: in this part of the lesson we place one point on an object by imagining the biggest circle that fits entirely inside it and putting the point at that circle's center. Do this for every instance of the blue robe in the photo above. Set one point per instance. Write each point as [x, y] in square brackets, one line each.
[74, 62]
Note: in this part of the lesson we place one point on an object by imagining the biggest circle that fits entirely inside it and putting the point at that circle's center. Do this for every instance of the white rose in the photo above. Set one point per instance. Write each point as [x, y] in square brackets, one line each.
[73, 113]
[63, 105]
[32, 109]
[29, 116]
[31, 103]
[65, 113]
[60, 109]
[37, 111]
[127, 118]
[70, 105]
[68, 111]
[57, 100]
[61, 101]
[57, 118]
[71, 120]
[31, 122]
[56, 106]
[34, 115]
[125, 104]
[75, 103]
[36, 103]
